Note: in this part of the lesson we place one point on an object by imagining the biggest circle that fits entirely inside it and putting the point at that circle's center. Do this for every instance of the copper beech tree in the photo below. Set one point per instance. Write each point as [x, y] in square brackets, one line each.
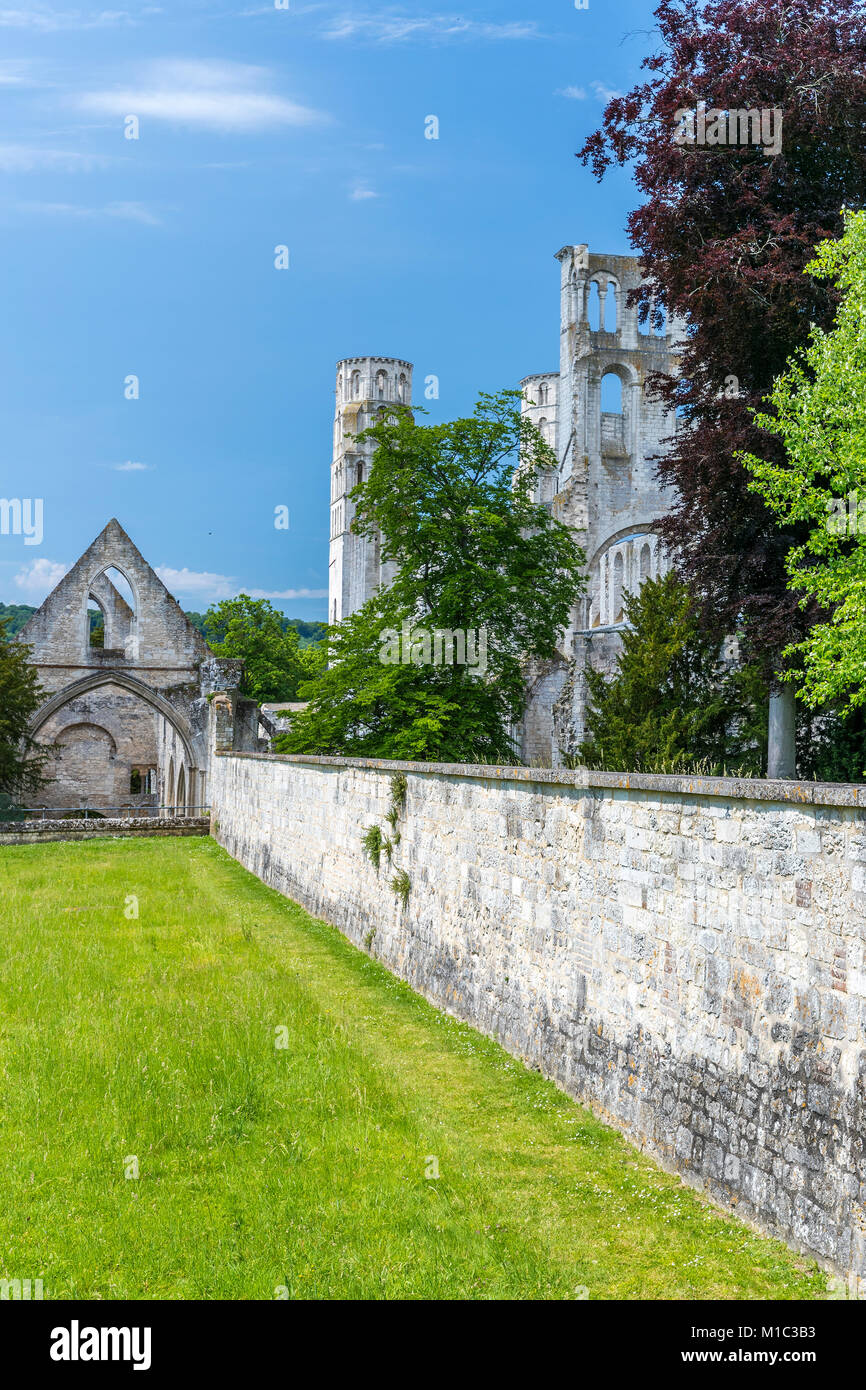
[725, 232]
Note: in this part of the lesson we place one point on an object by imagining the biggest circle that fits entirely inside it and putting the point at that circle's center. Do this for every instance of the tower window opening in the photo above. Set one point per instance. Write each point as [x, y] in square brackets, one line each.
[611, 394]
[617, 587]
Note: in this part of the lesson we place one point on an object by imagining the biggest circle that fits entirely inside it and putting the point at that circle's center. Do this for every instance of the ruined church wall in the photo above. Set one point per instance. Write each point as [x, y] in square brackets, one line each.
[686, 956]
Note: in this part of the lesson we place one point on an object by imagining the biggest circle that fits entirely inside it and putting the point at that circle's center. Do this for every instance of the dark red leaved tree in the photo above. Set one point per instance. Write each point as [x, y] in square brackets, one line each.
[724, 233]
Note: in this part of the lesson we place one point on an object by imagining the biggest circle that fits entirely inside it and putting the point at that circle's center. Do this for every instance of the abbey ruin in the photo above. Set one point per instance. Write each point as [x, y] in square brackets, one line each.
[605, 485]
[128, 723]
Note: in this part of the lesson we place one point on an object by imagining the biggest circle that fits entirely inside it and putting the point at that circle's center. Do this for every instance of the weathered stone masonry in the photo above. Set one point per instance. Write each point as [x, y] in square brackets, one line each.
[685, 955]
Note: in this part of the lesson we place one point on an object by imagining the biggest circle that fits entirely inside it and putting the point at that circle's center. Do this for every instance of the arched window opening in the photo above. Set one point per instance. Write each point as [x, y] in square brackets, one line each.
[595, 601]
[356, 386]
[404, 387]
[611, 394]
[180, 805]
[95, 624]
[169, 791]
[617, 587]
[610, 318]
[593, 313]
[645, 563]
[380, 385]
[110, 612]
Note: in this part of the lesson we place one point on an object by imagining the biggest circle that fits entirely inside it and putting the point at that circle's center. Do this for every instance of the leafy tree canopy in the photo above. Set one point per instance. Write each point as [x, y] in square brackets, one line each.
[673, 704]
[818, 408]
[473, 553]
[253, 630]
[21, 758]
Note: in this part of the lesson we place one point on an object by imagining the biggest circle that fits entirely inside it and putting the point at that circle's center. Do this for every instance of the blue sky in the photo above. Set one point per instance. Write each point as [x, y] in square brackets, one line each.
[154, 257]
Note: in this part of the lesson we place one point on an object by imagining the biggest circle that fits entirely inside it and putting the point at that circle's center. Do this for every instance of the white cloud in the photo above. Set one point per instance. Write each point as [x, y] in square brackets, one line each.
[571, 93]
[131, 212]
[37, 579]
[14, 72]
[393, 26]
[360, 194]
[187, 581]
[130, 467]
[214, 95]
[26, 159]
[204, 584]
[125, 212]
[604, 93]
[45, 20]
[285, 593]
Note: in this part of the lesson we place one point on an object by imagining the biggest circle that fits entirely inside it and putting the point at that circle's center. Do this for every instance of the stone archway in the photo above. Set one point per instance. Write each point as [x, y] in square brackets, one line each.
[130, 716]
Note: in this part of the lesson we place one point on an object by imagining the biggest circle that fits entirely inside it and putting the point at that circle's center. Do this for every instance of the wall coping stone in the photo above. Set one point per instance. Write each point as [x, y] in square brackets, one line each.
[29, 831]
[740, 788]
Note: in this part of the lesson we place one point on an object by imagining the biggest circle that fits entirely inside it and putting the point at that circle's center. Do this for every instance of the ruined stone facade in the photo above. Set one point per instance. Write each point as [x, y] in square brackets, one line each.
[605, 485]
[127, 723]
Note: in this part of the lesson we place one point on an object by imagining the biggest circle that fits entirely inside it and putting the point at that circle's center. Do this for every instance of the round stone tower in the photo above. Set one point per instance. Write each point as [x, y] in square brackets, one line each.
[366, 386]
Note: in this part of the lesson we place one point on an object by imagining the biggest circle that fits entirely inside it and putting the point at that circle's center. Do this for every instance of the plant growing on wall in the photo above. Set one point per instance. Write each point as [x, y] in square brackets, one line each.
[374, 843]
[401, 884]
[371, 841]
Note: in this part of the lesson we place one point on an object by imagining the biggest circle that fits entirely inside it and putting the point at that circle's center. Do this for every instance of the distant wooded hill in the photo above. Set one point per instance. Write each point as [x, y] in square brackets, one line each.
[15, 615]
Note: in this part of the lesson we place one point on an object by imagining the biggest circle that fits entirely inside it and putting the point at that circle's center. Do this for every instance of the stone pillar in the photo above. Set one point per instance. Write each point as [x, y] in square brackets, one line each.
[782, 741]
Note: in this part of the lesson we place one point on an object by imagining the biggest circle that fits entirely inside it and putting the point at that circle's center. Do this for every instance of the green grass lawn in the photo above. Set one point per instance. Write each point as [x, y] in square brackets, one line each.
[304, 1167]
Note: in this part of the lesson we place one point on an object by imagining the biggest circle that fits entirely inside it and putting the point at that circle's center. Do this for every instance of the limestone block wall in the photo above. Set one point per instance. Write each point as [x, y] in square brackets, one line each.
[685, 955]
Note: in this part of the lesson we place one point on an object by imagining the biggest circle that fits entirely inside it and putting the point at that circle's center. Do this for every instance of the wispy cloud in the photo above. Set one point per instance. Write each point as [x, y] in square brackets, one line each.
[15, 72]
[395, 26]
[204, 584]
[27, 159]
[604, 93]
[130, 467]
[360, 193]
[286, 593]
[599, 91]
[213, 95]
[124, 212]
[43, 19]
[36, 580]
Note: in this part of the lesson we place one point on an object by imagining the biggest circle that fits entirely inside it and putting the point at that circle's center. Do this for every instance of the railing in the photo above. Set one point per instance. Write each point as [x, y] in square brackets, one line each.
[125, 812]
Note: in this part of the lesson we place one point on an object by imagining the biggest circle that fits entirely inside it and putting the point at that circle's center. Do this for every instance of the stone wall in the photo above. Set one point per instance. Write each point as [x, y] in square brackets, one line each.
[684, 955]
[31, 832]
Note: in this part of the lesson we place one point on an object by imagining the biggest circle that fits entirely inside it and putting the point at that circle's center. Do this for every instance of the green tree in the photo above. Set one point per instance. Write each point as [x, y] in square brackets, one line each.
[673, 703]
[453, 507]
[14, 616]
[21, 757]
[817, 406]
[252, 629]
